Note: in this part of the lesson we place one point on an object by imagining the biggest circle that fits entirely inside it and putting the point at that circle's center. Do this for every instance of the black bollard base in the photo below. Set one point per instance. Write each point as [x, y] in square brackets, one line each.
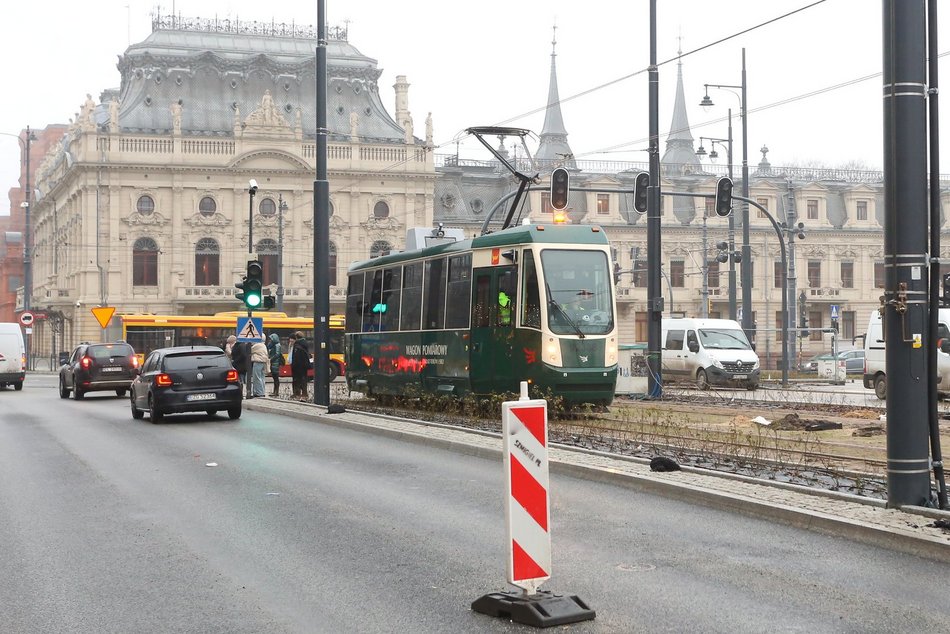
[544, 609]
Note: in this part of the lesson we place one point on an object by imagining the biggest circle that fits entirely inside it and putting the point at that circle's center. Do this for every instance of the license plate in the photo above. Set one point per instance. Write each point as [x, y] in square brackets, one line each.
[737, 377]
[200, 397]
[112, 369]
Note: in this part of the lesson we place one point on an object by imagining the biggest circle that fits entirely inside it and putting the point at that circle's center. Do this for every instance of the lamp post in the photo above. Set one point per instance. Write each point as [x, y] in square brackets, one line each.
[25, 142]
[281, 206]
[733, 255]
[251, 190]
[746, 261]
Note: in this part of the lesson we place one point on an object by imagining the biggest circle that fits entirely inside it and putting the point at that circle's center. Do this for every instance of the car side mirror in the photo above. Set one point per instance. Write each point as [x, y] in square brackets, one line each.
[945, 345]
[693, 346]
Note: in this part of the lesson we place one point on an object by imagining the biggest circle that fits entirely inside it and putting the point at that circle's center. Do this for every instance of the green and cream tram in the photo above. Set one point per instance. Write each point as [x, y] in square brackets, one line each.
[530, 303]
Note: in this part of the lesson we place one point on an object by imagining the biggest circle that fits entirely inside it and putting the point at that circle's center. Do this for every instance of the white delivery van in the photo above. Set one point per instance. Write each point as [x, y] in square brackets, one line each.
[874, 373]
[709, 352]
[12, 355]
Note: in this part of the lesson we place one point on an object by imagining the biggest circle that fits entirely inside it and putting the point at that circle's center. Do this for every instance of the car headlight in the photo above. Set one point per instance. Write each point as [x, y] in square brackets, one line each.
[717, 364]
[756, 366]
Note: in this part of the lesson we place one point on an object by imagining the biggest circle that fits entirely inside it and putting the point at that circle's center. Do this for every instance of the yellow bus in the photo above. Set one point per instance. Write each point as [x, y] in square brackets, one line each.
[148, 332]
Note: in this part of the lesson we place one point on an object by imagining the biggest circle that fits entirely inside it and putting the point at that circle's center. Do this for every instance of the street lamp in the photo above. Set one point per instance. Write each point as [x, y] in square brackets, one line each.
[27, 237]
[733, 256]
[251, 190]
[281, 207]
[746, 262]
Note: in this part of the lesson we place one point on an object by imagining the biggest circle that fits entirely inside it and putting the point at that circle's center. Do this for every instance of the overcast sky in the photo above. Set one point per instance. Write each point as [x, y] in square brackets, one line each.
[488, 63]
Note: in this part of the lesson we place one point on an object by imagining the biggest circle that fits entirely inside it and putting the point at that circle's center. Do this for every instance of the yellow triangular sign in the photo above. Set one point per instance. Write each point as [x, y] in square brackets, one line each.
[103, 314]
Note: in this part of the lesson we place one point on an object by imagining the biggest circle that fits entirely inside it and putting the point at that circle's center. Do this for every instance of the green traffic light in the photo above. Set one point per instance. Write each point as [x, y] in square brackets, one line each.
[253, 301]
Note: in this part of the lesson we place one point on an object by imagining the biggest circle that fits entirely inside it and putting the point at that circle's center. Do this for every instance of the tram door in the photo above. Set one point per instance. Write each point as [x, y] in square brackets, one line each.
[494, 305]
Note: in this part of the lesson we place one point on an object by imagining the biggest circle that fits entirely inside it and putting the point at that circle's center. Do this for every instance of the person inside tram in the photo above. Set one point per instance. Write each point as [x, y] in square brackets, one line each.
[504, 309]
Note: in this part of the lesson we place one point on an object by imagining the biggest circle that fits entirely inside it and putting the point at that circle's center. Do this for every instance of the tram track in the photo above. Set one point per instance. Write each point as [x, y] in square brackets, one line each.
[701, 434]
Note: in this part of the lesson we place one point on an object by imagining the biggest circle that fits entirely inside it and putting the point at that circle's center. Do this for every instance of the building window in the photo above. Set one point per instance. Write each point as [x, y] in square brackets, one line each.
[145, 262]
[332, 255]
[814, 273]
[381, 210]
[677, 273]
[267, 207]
[546, 207]
[603, 204]
[847, 324]
[207, 206]
[815, 324]
[765, 203]
[331, 209]
[862, 210]
[878, 275]
[207, 257]
[267, 253]
[145, 205]
[812, 206]
[710, 209]
[847, 275]
[712, 274]
[380, 247]
[778, 275]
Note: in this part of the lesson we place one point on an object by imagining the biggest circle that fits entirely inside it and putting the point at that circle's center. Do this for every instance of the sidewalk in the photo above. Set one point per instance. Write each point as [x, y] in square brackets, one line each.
[909, 529]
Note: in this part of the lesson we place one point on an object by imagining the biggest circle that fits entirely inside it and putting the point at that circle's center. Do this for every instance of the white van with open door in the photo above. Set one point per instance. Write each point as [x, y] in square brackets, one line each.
[874, 373]
[709, 352]
[12, 355]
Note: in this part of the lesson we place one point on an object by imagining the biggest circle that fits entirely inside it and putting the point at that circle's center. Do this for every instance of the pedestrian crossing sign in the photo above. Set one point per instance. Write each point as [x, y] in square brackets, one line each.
[834, 311]
[250, 329]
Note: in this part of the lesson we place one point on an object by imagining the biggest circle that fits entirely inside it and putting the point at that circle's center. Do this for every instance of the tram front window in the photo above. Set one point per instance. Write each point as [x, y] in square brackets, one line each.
[578, 292]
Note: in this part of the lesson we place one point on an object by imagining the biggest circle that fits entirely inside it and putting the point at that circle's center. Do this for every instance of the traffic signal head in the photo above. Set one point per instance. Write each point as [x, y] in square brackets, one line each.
[252, 286]
[640, 192]
[560, 188]
[616, 272]
[724, 197]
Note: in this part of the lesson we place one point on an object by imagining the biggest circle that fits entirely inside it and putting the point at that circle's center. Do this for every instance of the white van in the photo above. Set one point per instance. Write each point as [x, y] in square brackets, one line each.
[12, 355]
[709, 352]
[874, 374]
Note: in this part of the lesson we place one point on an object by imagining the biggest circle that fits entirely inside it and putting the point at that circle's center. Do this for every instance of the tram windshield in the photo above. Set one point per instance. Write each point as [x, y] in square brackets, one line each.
[578, 286]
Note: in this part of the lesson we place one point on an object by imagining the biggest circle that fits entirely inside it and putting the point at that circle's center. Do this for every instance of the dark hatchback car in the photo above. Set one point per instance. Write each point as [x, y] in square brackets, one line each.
[186, 379]
[98, 367]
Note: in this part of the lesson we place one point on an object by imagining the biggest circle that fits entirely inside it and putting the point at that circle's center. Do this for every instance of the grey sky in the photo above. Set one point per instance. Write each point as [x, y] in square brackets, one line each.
[488, 63]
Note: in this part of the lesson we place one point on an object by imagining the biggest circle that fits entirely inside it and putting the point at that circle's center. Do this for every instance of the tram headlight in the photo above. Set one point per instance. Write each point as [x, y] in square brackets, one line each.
[552, 351]
[611, 351]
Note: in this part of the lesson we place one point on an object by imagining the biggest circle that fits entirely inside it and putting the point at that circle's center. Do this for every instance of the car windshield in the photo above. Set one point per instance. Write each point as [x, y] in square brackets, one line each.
[723, 339]
[196, 361]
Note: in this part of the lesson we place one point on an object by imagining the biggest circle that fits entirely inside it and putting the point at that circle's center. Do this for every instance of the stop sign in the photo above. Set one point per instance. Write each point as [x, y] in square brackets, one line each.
[26, 318]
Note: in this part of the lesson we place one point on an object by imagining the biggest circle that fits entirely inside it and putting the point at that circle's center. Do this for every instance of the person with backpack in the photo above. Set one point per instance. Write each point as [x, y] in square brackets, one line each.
[276, 357]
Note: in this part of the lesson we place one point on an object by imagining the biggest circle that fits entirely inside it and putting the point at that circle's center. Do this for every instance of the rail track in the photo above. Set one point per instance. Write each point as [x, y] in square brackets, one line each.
[713, 431]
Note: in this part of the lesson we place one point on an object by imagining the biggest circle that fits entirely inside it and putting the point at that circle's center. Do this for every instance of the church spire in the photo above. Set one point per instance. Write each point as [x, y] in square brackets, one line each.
[679, 155]
[554, 146]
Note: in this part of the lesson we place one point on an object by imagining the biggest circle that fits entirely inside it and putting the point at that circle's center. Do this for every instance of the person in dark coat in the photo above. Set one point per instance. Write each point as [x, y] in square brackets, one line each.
[241, 359]
[275, 354]
[299, 365]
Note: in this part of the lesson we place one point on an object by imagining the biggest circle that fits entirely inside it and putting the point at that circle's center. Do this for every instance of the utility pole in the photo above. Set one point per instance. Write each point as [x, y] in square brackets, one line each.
[654, 252]
[281, 206]
[791, 221]
[705, 294]
[906, 310]
[321, 226]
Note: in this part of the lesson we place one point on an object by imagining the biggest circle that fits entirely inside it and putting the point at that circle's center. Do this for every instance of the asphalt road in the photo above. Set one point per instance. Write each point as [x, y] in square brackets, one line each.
[114, 525]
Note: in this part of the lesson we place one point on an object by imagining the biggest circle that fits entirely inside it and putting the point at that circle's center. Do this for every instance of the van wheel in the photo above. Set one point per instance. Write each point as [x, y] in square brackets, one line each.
[18, 386]
[702, 381]
[880, 387]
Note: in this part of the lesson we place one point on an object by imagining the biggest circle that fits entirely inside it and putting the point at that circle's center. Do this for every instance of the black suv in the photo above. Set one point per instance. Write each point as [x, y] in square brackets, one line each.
[98, 367]
[186, 379]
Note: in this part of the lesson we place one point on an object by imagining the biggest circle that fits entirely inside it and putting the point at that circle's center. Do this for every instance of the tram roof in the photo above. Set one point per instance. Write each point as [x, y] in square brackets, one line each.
[543, 233]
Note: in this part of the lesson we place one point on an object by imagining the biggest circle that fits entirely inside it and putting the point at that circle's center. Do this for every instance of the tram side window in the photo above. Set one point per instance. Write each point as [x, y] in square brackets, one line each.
[531, 307]
[433, 301]
[507, 287]
[674, 340]
[459, 291]
[372, 300]
[389, 315]
[411, 308]
[354, 302]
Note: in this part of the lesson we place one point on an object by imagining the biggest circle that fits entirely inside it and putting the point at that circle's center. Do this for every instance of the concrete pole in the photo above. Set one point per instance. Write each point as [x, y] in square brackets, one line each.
[321, 226]
[654, 247]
